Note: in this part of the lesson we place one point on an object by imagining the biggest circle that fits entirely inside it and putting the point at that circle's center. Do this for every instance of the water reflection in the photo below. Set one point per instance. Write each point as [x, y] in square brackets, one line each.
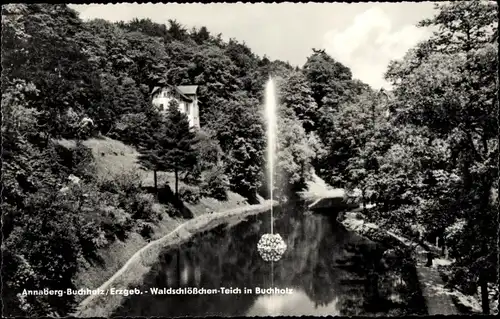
[297, 304]
[332, 272]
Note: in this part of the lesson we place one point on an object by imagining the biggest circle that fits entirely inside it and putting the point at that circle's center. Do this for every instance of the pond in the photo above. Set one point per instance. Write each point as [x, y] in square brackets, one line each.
[326, 270]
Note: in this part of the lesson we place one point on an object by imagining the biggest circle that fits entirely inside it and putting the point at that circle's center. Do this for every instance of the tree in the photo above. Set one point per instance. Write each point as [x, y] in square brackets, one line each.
[241, 136]
[296, 94]
[176, 30]
[329, 79]
[149, 134]
[147, 27]
[216, 76]
[448, 86]
[368, 132]
[177, 143]
[41, 38]
[294, 154]
[200, 36]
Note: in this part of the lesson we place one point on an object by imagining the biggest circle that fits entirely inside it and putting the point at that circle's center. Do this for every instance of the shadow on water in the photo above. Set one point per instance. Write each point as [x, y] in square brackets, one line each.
[331, 270]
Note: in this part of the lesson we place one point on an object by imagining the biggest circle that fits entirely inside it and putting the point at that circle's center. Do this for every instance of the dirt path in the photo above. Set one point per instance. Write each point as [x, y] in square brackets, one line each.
[437, 298]
[132, 259]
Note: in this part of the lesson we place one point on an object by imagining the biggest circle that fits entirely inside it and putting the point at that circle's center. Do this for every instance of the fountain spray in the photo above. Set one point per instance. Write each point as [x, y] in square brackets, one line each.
[270, 104]
[271, 246]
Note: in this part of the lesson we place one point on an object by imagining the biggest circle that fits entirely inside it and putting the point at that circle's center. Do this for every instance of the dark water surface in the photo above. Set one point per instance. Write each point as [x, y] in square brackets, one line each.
[331, 271]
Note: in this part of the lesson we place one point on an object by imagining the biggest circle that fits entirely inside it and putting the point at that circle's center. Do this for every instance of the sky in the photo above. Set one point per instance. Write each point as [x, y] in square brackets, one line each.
[363, 36]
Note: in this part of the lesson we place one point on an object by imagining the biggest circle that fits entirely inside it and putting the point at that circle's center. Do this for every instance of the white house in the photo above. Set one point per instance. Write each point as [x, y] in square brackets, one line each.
[186, 97]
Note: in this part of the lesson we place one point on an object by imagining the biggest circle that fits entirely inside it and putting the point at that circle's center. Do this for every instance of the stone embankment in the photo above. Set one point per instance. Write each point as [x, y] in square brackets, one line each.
[133, 272]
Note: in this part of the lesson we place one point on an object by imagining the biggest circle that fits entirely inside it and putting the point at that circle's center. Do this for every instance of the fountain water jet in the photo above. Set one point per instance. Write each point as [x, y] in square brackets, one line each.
[271, 246]
[270, 107]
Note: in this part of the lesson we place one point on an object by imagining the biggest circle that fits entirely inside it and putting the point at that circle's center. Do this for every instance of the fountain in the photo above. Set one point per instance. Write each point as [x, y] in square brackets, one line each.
[271, 246]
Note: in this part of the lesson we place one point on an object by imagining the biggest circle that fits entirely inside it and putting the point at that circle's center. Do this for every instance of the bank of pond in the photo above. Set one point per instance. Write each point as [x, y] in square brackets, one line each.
[326, 270]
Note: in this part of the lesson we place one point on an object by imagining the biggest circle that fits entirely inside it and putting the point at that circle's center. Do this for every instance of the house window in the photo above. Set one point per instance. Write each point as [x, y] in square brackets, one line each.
[162, 106]
[165, 94]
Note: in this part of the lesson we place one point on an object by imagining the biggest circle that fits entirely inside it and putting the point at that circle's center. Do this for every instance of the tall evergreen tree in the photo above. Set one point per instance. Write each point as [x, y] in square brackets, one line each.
[177, 144]
[149, 135]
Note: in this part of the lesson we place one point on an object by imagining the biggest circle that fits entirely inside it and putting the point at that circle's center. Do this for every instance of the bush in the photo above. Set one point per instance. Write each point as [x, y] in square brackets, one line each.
[146, 230]
[142, 207]
[48, 240]
[92, 237]
[73, 159]
[83, 162]
[116, 222]
[126, 183]
[129, 127]
[215, 184]
[171, 210]
[190, 194]
[209, 151]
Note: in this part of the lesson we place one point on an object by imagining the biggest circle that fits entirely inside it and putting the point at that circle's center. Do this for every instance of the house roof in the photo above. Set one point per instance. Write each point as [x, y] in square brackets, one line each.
[175, 88]
[188, 89]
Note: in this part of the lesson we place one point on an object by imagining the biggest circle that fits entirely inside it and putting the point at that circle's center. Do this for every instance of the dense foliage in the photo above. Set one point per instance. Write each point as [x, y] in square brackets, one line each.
[63, 78]
[426, 152]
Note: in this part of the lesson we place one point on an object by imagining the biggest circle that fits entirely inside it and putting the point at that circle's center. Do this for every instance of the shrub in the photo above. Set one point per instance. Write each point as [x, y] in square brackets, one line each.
[83, 162]
[49, 240]
[209, 151]
[127, 182]
[190, 194]
[142, 207]
[18, 274]
[146, 230]
[215, 184]
[70, 158]
[116, 222]
[171, 210]
[129, 128]
[158, 210]
[92, 237]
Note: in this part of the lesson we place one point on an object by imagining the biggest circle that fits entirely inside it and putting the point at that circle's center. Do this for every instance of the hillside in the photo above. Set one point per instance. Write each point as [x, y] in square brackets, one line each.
[113, 158]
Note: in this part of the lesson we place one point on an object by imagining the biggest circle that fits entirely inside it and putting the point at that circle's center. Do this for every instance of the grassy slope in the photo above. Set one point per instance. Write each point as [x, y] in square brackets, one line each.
[114, 157]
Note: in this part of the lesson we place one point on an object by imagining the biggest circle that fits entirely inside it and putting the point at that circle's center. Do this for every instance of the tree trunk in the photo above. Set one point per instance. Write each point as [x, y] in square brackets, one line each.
[429, 259]
[363, 201]
[485, 302]
[176, 182]
[156, 183]
[483, 280]
[442, 243]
